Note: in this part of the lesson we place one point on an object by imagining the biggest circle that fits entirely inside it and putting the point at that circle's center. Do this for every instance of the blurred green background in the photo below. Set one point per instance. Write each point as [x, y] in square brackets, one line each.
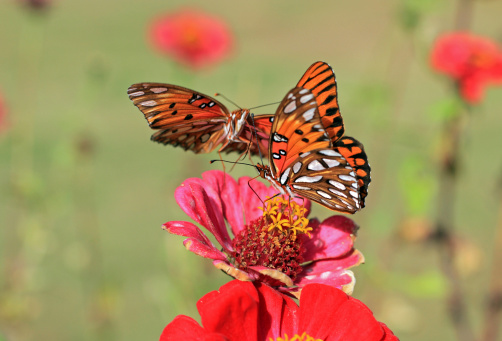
[83, 192]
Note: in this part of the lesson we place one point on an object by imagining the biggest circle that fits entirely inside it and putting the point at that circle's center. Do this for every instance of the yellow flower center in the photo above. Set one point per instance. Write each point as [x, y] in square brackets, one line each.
[285, 215]
[303, 337]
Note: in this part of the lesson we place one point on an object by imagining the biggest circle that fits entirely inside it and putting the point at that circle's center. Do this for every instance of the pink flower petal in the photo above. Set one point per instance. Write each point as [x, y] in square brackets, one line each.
[227, 191]
[253, 198]
[197, 203]
[331, 239]
[202, 249]
[186, 229]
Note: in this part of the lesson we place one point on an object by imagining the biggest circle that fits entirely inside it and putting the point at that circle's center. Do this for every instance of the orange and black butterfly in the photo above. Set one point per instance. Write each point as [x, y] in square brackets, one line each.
[197, 122]
[308, 153]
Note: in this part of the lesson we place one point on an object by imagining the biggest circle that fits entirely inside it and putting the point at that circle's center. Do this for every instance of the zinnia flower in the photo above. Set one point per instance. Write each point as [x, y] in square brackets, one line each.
[272, 242]
[472, 61]
[191, 37]
[247, 311]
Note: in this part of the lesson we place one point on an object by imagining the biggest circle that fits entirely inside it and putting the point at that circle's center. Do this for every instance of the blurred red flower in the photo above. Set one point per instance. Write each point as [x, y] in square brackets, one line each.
[272, 245]
[472, 61]
[193, 38]
[258, 312]
[3, 115]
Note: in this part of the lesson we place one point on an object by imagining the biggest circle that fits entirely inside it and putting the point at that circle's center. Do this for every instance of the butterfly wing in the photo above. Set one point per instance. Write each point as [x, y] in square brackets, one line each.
[353, 151]
[320, 80]
[256, 127]
[326, 177]
[296, 131]
[183, 117]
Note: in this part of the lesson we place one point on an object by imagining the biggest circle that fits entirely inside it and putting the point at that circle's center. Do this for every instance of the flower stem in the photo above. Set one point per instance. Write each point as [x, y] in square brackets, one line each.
[493, 311]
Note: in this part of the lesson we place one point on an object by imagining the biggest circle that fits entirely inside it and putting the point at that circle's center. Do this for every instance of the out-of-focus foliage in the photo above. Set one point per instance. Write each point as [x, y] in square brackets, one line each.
[83, 192]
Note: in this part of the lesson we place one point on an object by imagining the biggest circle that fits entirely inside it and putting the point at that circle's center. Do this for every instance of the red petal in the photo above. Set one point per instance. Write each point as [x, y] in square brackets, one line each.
[389, 335]
[201, 205]
[232, 311]
[182, 328]
[278, 314]
[332, 238]
[329, 314]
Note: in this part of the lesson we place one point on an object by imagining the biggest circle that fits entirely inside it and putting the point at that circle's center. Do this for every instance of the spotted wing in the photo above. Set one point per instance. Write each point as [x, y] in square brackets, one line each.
[320, 80]
[326, 177]
[183, 117]
[260, 127]
[296, 130]
[353, 151]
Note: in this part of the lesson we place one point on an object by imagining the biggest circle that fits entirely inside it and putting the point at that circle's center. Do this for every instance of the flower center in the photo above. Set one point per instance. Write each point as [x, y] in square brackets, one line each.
[303, 337]
[273, 240]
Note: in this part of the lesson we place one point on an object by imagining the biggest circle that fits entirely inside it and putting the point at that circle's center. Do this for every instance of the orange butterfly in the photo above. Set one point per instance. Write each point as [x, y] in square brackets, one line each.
[197, 122]
[308, 154]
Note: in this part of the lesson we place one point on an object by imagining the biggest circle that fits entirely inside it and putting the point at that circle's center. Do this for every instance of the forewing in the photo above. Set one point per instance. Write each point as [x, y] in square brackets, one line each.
[296, 130]
[181, 115]
[325, 177]
[353, 151]
[321, 81]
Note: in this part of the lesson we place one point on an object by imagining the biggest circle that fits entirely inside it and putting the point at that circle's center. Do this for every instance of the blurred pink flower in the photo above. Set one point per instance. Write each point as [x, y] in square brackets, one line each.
[474, 62]
[258, 312]
[262, 248]
[191, 37]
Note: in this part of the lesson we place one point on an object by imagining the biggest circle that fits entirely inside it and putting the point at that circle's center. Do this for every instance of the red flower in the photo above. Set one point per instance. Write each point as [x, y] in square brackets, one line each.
[191, 37]
[472, 61]
[246, 311]
[272, 246]
[3, 115]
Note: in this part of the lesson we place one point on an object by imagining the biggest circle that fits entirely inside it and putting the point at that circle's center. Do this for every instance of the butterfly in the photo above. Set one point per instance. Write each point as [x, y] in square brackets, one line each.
[197, 122]
[321, 81]
[308, 154]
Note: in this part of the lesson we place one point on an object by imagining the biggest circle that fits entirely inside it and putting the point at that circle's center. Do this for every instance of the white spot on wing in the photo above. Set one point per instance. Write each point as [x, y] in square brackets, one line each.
[324, 194]
[149, 103]
[288, 109]
[303, 91]
[334, 191]
[354, 194]
[337, 184]
[158, 90]
[331, 163]
[315, 166]
[329, 152]
[309, 114]
[346, 177]
[306, 98]
[301, 187]
[285, 175]
[136, 94]
[309, 179]
[297, 166]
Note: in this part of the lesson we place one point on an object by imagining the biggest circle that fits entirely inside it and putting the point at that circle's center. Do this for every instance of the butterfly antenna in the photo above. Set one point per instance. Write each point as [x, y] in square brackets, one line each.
[264, 105]
[225, 97]
[249, 184]
[256, 137]
[236, 163]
